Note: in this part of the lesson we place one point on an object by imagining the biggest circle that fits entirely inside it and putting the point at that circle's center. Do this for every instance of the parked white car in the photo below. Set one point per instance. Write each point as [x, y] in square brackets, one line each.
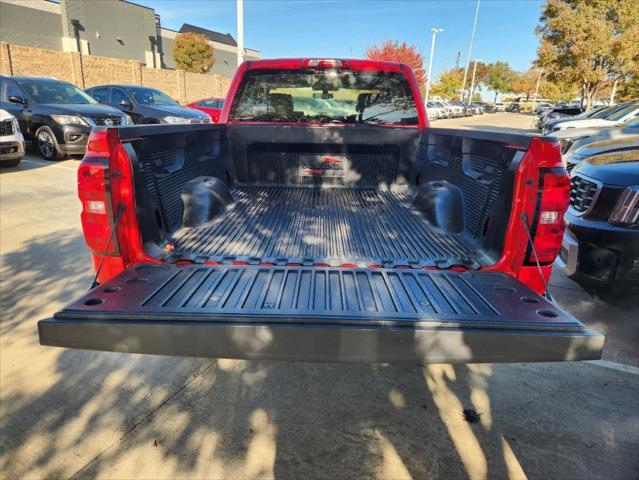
[11, 140]
[435, 110]
[617, 118]
[456, 110]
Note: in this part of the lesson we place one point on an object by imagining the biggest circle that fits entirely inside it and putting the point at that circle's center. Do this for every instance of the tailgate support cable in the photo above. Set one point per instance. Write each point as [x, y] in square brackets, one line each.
[106, 249]
[524, 218]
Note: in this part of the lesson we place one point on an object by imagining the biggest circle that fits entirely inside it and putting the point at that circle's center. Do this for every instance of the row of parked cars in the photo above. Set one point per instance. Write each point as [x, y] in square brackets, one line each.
[454, 109]
[573, 116]
[600, 149]
[55, 117]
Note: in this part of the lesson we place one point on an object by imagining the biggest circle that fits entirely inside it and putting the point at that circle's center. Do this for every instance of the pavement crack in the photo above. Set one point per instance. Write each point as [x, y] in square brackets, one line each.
[191, 379]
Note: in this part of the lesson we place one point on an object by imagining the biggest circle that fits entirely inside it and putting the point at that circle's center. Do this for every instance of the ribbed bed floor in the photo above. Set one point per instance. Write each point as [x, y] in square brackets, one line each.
[338, 224]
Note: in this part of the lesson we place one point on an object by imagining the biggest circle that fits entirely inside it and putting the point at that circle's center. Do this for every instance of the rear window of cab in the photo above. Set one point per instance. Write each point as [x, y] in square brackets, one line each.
[326, 96]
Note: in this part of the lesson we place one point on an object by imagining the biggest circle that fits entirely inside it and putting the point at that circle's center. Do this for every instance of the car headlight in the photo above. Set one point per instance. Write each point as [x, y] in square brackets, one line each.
[70, 120]
[16, 125]
[127, 120]
[175, 120]
[626, 211]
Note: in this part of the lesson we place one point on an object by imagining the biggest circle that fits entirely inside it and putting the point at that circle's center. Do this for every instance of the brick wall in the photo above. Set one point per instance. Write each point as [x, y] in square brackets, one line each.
[38, 61]
[166, 80]
[199, 86]
[89, 70]
[101, 70]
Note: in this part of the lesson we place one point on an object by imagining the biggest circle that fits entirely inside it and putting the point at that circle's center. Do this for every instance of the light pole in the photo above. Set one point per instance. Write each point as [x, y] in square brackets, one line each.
[614, 90]
[536, 90]
[470, 48]
[430, 61]
[541, 71]
[240, 32]
[472, 82]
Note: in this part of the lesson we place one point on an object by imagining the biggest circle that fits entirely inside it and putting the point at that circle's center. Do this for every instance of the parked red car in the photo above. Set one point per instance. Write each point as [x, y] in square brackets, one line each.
[212, 106]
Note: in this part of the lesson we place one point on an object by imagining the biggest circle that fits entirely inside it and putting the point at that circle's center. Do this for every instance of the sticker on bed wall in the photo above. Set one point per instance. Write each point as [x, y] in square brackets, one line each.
[320, 165]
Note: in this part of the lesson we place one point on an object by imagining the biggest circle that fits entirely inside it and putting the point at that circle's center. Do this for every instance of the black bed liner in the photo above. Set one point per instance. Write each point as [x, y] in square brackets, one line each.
[320, 314]
[330, 225]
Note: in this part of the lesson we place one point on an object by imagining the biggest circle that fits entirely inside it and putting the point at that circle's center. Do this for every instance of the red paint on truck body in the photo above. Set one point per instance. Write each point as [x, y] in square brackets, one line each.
[540, 156]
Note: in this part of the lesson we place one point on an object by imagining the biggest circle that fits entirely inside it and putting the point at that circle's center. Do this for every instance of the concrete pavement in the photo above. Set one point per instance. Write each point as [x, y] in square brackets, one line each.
[69, 413]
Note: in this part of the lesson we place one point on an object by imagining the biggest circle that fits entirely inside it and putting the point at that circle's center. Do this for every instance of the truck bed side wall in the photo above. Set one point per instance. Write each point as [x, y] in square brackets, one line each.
[478, 165]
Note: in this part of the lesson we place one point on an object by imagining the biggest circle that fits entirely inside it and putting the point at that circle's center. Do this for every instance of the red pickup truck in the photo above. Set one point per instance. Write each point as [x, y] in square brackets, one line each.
[322, 219]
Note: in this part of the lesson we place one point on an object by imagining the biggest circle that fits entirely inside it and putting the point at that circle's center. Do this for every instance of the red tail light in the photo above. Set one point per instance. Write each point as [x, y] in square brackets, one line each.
[93, 190]
[553, 199]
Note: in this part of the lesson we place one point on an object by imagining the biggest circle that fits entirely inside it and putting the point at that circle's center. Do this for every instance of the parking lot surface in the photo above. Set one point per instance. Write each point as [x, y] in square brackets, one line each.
[71, 413]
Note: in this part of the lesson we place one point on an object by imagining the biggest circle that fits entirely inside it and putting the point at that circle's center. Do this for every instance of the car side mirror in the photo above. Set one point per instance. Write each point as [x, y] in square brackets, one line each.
[126, 104]
[16, 99]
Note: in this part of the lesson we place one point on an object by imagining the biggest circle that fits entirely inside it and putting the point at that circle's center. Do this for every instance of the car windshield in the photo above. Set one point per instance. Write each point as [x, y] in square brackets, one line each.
[326, 96]
[150, 96]
[606, 112]
[619, 115]
[599, 113]
[53, 91]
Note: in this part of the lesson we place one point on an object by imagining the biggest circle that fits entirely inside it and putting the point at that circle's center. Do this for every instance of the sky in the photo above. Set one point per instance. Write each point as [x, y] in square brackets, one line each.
[343, 28]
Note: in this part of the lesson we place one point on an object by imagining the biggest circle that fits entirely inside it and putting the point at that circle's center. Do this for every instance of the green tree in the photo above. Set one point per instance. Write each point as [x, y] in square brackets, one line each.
[526, 82]
[499, 78]
[588, 42]
[629, 89]
[192, 53]
[557, 91]
[449, 83]
[480, 73]
[476, 97]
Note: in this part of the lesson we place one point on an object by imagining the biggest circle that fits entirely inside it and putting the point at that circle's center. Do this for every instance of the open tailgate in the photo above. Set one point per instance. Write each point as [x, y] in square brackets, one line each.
[320, 314]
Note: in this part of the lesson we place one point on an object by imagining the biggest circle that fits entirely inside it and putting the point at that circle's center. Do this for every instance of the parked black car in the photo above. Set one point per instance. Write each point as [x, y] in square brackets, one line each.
[54, 116]
[514, 107]
[623, 141]
[146, 105]
[601, 243]
[486, 107]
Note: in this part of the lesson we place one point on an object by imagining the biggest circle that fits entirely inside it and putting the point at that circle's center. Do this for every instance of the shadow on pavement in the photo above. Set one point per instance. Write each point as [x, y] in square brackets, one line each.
[94, 414]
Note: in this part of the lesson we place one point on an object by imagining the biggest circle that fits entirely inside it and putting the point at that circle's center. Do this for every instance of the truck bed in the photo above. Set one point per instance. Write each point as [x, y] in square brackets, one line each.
[302, 224]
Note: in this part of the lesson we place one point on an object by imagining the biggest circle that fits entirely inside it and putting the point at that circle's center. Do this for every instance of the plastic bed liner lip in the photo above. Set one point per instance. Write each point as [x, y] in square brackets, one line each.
[320, 314]
[346, 224]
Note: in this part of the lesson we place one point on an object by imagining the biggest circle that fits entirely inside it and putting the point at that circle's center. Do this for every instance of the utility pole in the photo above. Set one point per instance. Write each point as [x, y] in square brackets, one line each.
[430, 61]
[240, 32]
[472, 82]
[77, 28]
[535, 97]
[457, 60]
[470, 48]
